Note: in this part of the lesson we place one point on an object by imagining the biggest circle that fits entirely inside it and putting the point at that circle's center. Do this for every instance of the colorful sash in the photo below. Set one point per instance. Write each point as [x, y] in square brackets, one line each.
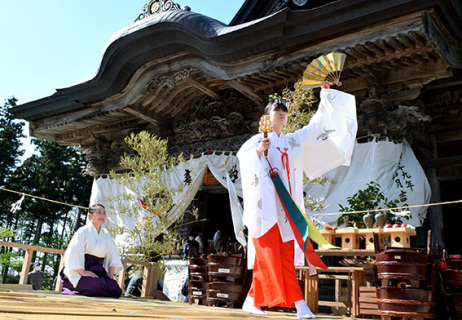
[303, 228]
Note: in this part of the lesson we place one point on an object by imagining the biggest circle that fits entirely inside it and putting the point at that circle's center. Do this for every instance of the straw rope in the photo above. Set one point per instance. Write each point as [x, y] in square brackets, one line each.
[389, 209]
[86, 208]
[313, 214]
[45, 199]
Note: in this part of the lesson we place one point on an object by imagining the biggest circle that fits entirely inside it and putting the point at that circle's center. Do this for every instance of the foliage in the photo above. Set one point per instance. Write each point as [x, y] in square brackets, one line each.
[4, 233]
[300, 110]
[6, 257]
[153, 231]
[11, 133]
[370, 198]
[10, 141]
[11, 152]
[11, 259]
[54, 173]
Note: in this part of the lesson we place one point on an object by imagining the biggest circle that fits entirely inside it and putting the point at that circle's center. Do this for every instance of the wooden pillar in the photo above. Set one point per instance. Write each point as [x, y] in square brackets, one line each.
[357, 281]
[146, 280]
[150, 278]
[311, 291]
[435, 213]
[26, 266]
[122, 274]
[59, 285]
[337, 294]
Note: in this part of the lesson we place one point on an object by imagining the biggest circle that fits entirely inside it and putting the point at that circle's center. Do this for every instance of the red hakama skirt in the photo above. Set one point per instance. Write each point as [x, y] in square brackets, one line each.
[274, 280]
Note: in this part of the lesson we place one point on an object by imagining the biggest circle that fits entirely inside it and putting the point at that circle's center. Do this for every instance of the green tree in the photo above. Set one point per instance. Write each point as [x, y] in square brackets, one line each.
[54, 173]
[11, 133]
[153, 233]
[6, 256]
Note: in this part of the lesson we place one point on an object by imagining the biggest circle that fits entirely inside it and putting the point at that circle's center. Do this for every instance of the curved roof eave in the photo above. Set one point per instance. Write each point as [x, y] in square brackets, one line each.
[165, 35]
[218, 48]
[156, 37]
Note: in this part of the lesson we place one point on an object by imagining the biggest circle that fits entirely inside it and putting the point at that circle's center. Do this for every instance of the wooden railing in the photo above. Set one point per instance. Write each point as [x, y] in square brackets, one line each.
[149, 279]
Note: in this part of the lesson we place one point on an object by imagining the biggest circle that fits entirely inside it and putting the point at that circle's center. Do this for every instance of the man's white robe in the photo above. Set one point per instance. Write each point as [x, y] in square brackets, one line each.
[87, 240]
[325, 143]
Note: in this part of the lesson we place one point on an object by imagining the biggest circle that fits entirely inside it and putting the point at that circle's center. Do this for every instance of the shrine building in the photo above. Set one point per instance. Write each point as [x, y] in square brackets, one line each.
[203, 85]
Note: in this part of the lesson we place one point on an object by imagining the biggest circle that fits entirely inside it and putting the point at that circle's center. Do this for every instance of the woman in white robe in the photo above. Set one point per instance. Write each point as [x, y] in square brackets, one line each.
[91, 259]
[325, 143]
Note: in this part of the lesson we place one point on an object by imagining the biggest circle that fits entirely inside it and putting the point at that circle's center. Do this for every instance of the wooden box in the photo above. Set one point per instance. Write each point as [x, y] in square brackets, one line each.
[229, 293]
[368, 301]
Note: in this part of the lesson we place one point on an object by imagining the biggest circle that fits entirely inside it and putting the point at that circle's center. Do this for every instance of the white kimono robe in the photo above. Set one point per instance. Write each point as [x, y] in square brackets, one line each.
[87, 240]
[325, 143]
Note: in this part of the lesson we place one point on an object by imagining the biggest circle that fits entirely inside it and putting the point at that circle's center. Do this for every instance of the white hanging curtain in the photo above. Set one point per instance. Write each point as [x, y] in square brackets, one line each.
[190, 173]
[102, 190]
[226, 170]
[237, 212]
[392, 165]
[219, 165]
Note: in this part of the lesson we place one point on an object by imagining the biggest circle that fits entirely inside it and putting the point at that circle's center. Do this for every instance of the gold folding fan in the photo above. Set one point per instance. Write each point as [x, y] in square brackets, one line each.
[325, 68]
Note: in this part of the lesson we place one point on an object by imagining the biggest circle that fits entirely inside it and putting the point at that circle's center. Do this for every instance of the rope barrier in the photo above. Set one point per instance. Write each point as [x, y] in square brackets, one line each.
[74, 205]
[57, 202]
[312, 214]
[45, 199]
[389, 209]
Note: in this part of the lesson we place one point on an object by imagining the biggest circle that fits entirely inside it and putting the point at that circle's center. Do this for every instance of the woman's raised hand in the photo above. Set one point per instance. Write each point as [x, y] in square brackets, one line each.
[326, 84]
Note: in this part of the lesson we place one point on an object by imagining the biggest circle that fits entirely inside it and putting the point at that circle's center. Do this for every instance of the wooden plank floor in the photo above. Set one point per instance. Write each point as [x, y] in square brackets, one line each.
[46, 305]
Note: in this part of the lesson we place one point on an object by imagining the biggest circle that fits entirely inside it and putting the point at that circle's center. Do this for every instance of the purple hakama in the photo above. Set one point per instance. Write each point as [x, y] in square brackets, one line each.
[93, 287]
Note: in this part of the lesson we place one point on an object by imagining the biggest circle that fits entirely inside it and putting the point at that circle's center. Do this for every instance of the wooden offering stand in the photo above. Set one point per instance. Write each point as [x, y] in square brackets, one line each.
[395, 237]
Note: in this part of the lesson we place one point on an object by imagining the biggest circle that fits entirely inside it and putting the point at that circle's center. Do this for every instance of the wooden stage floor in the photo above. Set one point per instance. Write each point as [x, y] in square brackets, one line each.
[47, 305]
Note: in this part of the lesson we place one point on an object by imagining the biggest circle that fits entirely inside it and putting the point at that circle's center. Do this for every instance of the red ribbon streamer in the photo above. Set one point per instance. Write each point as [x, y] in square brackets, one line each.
[285, 165]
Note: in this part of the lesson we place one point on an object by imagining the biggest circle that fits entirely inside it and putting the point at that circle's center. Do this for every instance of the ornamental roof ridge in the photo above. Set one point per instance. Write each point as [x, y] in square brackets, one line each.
[152, 7]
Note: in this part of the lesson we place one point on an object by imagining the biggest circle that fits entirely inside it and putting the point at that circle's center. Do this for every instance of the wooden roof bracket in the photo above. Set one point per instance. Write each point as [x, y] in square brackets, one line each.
[442, 41]
[246, 91]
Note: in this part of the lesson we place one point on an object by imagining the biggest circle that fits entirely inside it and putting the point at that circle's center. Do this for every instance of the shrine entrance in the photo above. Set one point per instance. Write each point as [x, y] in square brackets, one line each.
[212, 202]
[449, 179]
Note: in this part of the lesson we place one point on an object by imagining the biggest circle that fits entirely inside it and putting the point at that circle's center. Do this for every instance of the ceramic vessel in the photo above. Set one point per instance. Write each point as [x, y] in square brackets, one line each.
[381, 219]
[368, 219]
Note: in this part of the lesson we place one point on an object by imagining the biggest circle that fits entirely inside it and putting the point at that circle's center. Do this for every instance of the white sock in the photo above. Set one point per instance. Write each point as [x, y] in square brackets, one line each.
[303, 312]
[249, 306]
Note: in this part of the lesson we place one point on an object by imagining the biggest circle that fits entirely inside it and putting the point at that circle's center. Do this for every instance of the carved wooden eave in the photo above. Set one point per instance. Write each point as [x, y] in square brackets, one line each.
[162, 70]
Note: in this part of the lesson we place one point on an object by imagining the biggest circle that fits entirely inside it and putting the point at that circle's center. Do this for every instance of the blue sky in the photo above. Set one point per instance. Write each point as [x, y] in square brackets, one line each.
[49, 44]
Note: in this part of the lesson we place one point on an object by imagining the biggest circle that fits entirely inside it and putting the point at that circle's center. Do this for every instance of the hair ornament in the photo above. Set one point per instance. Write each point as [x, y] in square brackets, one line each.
[279, 99]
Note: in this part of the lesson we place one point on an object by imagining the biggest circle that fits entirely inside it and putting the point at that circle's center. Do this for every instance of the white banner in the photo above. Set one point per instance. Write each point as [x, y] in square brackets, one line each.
[392, 165]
